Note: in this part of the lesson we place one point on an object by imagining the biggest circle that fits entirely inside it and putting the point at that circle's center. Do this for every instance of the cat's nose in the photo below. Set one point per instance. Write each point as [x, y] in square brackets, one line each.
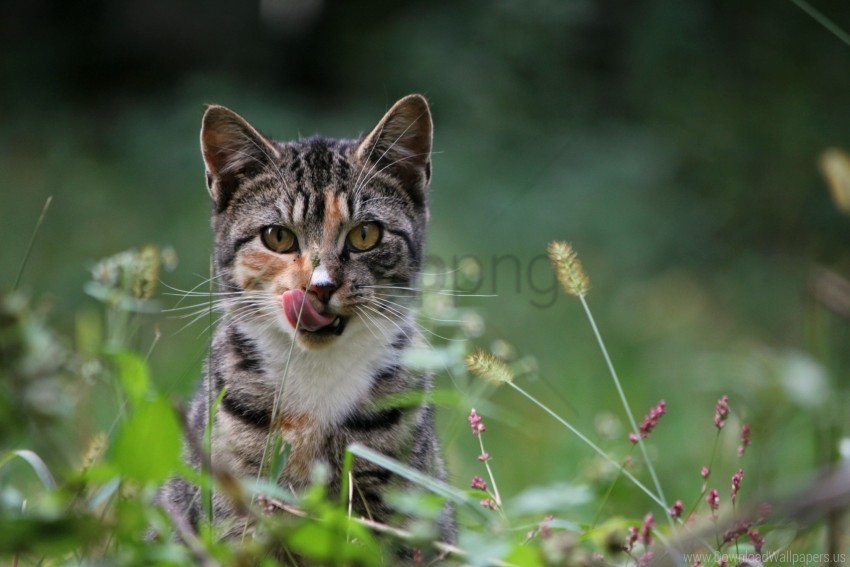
[324, 291]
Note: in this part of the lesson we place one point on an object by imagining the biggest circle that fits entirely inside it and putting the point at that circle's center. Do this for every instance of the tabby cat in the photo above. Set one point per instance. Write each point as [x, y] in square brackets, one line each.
[318, 242]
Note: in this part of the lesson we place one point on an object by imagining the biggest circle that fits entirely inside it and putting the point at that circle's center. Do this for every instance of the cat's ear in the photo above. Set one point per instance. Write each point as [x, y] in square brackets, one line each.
[401, 145]
[232, 150]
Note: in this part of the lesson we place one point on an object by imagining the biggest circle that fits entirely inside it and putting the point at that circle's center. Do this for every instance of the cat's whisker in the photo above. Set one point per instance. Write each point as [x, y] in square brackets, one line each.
[366, 318]
[382, 299]
[384, 315]
[453, 293]
[420, 329]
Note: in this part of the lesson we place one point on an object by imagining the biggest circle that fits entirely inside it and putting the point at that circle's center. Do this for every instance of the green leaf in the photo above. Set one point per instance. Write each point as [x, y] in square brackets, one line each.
[148, 446]
[35, 462]
[134, 375]
[525, 555]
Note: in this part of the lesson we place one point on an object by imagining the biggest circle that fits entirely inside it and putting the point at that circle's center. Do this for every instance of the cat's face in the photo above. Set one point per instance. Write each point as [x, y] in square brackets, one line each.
[319, 237]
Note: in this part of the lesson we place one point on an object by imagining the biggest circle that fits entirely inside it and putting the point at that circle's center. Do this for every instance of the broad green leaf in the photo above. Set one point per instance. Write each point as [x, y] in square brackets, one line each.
[148, 446]
[134, 375]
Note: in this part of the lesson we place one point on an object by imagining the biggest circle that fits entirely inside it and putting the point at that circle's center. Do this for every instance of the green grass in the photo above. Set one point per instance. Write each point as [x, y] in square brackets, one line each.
[94, 502]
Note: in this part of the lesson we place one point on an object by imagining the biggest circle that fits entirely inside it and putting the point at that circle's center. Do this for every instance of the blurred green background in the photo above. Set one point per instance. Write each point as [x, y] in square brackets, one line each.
[674, 143]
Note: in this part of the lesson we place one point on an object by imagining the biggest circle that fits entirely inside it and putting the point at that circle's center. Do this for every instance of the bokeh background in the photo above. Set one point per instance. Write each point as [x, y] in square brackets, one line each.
[674, 143]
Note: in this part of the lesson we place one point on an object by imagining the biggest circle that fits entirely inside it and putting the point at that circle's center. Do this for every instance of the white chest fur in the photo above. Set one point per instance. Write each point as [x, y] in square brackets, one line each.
[324, 384]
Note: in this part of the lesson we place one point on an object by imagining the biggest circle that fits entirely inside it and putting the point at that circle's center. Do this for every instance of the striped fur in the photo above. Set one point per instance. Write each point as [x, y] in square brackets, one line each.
[336, 383]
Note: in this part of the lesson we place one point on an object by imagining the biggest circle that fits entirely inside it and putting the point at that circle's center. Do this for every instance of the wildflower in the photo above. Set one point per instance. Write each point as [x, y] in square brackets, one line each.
[631, 539]
[721, 411]
[736, 482]
[488, 503]
[704, 472]
[544, 527]
[489, 367]
[484, 457]
[733, 533]
[745, 439]
[568, 268]
[713, 499]
[476, 423]
[646, 529]
[756, 539]
[478, 483]
[676, 509]
[650, 421]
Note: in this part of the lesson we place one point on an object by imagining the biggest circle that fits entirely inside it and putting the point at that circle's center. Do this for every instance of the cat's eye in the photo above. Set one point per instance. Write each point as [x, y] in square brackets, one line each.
[364, 236]
[279, 239]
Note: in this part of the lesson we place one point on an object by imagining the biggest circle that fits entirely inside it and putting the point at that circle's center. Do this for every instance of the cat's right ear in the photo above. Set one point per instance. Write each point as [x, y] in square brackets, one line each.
[232, 150]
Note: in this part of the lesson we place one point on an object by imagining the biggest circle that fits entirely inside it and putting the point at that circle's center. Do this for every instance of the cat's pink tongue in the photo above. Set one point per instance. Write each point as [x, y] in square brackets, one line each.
[311, 319]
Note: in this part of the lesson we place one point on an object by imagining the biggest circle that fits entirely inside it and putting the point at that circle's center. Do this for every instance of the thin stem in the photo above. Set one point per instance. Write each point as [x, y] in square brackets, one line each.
[592, 445]
[823, 20]
[490, 473]
[622, 394]
[32, 241]
[705, 481]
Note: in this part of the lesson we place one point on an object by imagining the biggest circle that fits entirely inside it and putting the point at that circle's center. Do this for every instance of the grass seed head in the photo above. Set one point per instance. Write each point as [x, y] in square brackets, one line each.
[568, 268]
[489, 367]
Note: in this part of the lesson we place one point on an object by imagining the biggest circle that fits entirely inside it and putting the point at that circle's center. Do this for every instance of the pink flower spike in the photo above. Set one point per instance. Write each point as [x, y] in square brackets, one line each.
[721, 411]
[634, 535]
[488, 503]
[713, 499]
[736, 482]
[676, 509]
[646, 529]
[476, 423]
[484, 457]
[745, 439]
[704, 472]
[756, 539]
[478, 483]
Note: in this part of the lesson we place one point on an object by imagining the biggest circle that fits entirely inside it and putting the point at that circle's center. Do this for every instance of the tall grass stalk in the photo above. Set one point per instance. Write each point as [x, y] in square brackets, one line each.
[622, 394]
[31, 242]
[591, 444]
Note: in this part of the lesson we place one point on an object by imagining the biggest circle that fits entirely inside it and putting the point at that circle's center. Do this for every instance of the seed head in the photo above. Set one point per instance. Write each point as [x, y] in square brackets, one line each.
[489, 367]
[835, 166]
[568, 268]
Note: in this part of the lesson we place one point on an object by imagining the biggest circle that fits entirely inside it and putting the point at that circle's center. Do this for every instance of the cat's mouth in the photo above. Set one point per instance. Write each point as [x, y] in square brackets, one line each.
[306, 318]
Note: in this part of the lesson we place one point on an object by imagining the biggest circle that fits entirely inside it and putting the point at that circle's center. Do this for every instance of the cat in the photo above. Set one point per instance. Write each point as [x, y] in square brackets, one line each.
[318, 246]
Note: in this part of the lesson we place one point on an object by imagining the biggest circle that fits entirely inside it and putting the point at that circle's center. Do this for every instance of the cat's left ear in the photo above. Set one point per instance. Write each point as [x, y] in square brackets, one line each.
[233, 150]
[401, 145]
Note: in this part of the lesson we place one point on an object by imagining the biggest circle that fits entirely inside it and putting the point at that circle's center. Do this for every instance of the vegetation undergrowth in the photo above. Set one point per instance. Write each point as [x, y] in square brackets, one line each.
[99, 509]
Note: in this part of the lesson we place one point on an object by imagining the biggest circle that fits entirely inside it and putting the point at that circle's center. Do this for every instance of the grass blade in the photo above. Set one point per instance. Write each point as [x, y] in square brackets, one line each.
[35, 462]
[32, 241]
[432, 484]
